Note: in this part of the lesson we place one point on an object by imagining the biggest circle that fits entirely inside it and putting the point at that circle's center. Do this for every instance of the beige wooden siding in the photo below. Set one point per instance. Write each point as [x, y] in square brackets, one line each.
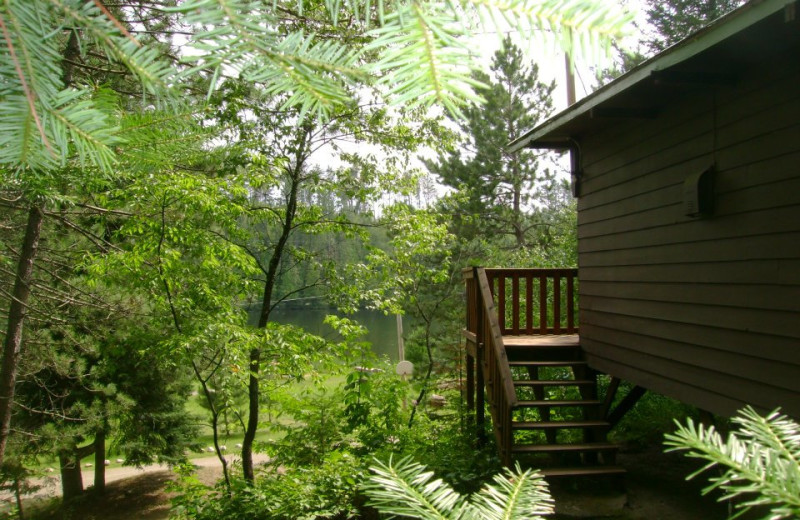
[704, 310]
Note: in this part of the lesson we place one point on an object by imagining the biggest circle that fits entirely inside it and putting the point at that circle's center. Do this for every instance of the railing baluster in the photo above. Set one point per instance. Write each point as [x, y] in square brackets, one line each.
[528, 303]
[543, 304]
[556, 304]
[570, 304]
[515, 303]
[501, 303]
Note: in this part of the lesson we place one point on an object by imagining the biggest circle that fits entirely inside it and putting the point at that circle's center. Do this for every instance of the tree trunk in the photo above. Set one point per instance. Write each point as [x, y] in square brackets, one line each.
[252, 416]
[16, 319]
[100, 461]
[253, 390]
[18, 498]
[71, 478]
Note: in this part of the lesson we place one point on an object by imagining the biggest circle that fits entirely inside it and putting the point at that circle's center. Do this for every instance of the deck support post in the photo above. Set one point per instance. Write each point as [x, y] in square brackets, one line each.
[480, 399]
[625, 405]
[470, 382]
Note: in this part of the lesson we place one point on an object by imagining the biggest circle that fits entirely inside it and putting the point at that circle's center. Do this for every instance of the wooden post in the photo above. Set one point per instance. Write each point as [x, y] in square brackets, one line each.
[470, 383]
[401, 349]
[480, 402]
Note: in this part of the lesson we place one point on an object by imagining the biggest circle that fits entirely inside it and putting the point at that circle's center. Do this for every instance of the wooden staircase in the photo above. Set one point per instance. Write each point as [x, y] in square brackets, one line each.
[525, 361]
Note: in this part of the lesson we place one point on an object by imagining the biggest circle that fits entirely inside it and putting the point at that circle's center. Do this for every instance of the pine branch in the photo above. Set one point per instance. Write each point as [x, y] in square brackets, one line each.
[759, 463]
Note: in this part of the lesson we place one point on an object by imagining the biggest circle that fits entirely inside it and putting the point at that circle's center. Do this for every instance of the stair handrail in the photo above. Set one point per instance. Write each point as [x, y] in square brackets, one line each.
[494, 339]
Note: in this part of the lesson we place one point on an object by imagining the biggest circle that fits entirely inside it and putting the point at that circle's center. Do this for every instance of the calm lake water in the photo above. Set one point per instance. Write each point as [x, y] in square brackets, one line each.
[382, 329]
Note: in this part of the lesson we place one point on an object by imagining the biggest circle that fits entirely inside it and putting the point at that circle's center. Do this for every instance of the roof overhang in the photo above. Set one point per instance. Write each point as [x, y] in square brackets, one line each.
[712, 56]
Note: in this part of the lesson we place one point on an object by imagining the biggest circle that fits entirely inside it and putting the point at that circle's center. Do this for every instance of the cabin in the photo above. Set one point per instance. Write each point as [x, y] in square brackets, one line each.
[687, 174]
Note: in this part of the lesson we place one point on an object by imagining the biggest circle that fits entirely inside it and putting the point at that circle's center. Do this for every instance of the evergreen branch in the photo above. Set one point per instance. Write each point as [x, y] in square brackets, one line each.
[28, 92]
[144, 62]
[760, 461]
[521, 495]
[406, 489]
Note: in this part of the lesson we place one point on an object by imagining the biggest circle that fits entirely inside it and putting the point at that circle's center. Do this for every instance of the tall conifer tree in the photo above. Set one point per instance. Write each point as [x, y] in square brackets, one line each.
[498, 189]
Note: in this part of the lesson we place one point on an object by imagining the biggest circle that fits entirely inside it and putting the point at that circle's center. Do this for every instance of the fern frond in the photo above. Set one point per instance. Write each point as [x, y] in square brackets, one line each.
[407, 489]
[759, 462]
[515, 494]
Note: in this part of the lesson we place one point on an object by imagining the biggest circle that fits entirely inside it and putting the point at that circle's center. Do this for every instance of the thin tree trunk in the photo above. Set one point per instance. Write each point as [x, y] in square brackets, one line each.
[18, 497]
[16, 319]
[253, 390]
[100, 461]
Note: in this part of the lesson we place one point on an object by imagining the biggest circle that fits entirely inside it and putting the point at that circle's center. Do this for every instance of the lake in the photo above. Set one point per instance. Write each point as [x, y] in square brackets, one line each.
[382, 329]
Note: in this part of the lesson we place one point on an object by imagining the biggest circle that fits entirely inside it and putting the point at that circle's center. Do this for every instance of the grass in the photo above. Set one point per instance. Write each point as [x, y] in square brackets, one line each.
[195, 408]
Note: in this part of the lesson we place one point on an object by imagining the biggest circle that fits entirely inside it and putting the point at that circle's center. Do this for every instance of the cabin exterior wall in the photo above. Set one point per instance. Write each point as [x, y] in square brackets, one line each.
[706, 310]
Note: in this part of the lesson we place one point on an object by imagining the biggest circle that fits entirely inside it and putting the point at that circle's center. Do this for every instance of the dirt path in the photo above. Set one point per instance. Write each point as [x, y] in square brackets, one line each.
[51, 486]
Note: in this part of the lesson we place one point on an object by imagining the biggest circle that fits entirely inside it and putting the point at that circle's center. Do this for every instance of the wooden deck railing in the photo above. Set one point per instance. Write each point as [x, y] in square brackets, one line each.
[502, 302]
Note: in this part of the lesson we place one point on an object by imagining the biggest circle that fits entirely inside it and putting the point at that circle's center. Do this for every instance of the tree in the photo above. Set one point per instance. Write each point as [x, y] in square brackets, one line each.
[49, 117]
[497, 191]
[668, 22]
[46, 118]
[286, 200]
[674, 20]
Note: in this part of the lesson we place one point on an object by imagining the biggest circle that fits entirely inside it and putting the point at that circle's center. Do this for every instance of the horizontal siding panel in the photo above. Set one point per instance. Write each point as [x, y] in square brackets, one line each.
[760, 148]
[768, 346]
[666, 207]
[654, 180]
[770, 171]
[765, 88]
[763, 272]
[645, 219]
[777, 118]
[734, 249]
[778, 323]
[667, 151]
[638, 138]
[769, 220]
[661, 380]
[741, 366]
[764, 297]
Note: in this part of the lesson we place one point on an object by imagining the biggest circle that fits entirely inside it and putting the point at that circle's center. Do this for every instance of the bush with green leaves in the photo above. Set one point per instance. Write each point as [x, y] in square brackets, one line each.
[409, 490]
[759, 462]
[326, 490]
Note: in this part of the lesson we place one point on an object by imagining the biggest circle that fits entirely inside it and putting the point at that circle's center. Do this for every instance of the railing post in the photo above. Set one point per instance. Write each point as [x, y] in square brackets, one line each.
[480, 340]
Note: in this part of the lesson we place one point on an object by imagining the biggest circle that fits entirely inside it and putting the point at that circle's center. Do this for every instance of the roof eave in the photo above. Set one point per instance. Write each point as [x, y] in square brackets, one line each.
[714, 33]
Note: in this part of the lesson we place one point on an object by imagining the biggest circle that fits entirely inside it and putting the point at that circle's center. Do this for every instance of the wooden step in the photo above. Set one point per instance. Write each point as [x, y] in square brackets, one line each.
[553, 382]
[546, 363]
[554, 402]
[559, 448]
[542, 341]
[583, 471]
[548, 425]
